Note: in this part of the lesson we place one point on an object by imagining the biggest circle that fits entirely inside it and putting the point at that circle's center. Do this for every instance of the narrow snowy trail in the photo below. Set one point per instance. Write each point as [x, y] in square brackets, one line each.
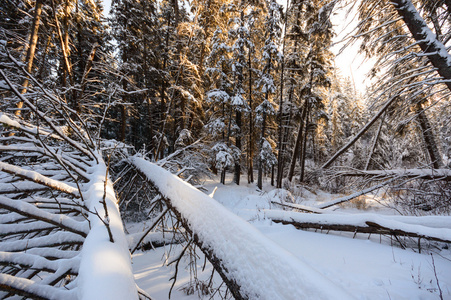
[364, 268]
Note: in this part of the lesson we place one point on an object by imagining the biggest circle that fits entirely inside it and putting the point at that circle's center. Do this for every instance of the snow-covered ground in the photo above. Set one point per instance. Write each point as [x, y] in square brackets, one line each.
[365, 268]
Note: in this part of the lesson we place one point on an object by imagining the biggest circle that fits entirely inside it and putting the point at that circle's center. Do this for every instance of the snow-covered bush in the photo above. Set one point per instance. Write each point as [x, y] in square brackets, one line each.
[267, 156]
[422, 197]
[223, 156]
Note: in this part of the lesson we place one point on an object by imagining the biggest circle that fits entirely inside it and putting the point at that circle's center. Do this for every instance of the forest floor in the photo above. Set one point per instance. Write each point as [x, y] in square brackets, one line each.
[366, 267]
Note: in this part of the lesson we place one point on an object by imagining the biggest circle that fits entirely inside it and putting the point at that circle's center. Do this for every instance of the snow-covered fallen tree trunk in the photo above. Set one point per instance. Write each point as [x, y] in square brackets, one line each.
[251, 265]
[430, 228]
[92, 223]
[428, 174]
[388, 177]
[105, 267]
[60, 227]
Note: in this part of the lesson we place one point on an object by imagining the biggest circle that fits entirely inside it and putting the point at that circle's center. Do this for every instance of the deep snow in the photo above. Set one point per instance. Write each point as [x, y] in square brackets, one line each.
[365, 268]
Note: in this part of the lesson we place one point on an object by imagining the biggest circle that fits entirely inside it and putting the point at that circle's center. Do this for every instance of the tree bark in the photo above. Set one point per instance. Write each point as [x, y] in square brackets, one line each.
[123, 122]
[175, 4]
[64, 41]
[43, 66]
[280, 163]
[206, 38]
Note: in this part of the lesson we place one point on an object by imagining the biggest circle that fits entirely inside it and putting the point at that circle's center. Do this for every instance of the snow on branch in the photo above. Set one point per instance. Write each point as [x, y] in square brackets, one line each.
[38, 178]
[29, 210]
[86, 151]
[432, 174]
[6, 120]
[431, 46]
[105, 268]
[356, 194]
[37, 262]
[365, 223]
[51, 240]
[30, 289]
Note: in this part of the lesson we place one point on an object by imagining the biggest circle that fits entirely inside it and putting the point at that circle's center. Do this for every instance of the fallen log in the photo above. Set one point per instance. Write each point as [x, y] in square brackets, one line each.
[235, 248]
[299, 207]
[359, 223]
[427, 174]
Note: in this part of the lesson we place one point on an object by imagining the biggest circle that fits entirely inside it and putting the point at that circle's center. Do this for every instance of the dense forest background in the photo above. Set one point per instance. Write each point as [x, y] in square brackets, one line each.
[245, 85]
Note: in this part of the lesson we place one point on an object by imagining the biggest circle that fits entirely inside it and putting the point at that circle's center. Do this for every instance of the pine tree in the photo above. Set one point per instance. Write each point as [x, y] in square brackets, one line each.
[270, 56]
[315, 32]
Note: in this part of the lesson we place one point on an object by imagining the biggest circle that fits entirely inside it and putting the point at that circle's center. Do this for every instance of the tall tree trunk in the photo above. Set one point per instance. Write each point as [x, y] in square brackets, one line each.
[280, 154]
[272, 174]
[304, 144]
[250, 159]
[297, 151]
[31, 50]
[435, 51]
[123, 108]
[175, 5]
[223, 174]
[205, 40]
[87, 69]
[163, 80]
[150, 141]
[287, 130]
[260, 160]
[267, 69]
[373, 146]
[238, 91]
[64, 42]
[428, 137]
[237, 170]
[123, 122]
[297, 143]
[43, 65]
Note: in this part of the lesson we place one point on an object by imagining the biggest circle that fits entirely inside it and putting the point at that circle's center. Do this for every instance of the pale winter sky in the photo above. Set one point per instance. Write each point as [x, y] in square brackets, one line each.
[350, 63]
[106, 6]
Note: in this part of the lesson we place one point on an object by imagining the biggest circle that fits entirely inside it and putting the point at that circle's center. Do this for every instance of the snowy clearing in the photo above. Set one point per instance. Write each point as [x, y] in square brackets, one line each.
[363, 268]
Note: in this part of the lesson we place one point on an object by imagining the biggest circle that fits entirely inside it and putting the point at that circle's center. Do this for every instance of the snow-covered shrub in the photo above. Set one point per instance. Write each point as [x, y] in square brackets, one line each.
[184, 139]
[422, 197]
[223, 156]
[281, 195]
[267, 156]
